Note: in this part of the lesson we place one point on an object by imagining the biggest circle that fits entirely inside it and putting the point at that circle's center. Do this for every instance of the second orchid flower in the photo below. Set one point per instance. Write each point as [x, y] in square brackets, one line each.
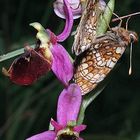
[48, 54]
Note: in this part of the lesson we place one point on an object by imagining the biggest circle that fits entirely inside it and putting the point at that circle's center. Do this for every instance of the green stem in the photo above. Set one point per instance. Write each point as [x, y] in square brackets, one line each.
[13, 54]
[86, 102]
[105, 19]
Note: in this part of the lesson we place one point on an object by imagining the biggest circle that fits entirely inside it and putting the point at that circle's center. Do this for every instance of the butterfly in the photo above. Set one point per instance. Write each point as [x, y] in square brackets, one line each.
[93, 65]
[86, 30]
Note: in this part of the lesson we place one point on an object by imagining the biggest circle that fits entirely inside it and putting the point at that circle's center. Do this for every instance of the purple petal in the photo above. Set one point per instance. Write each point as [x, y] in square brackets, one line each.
[62, 65]
[69, 23]
[69, 104]
[79, 128]
[80, 139]
[47, 135]
[74, 5]
[56, 125]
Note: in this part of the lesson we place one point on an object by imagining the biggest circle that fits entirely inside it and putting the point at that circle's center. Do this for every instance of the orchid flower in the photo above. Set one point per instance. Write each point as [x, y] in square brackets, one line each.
[48, 55]
[67, 112]
[75, 5]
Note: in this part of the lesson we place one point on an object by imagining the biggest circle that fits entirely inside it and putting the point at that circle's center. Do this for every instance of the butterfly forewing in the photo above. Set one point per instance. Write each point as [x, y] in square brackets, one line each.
[94, 64]
[86, 31]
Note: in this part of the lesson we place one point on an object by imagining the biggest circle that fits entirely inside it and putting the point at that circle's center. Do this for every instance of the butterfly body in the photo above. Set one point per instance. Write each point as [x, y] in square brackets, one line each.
[93, 65]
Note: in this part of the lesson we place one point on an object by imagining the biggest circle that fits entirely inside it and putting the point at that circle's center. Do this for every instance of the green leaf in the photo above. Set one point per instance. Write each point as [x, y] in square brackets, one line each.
[105, 18]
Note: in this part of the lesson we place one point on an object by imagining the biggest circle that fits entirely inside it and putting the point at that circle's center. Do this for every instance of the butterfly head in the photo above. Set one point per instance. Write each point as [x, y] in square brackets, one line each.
[133, 37]
[126, 36]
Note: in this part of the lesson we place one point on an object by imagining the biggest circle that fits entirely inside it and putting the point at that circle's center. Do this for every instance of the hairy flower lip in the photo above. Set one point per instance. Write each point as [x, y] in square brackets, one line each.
[22, 70]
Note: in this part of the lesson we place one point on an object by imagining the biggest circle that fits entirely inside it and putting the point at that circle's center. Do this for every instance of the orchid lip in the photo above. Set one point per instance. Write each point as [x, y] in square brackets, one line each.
[22, 70]
[67, 132]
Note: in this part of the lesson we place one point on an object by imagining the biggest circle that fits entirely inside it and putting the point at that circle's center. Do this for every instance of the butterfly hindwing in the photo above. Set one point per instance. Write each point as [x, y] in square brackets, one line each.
[94, 64]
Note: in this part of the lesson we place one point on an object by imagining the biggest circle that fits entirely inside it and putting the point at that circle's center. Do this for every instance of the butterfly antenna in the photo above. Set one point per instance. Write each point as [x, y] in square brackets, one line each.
[130, 15]
[131, 52]
[130, 58]
[127, 22]
[118, 19]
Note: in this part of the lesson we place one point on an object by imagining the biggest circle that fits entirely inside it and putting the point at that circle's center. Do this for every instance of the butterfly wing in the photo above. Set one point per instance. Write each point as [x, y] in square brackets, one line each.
[86, 30]
[93, 65]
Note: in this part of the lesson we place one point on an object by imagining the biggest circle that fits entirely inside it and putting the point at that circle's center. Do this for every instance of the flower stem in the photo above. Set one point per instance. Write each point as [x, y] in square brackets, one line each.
[105, 18]
[13, 54]
[86, 102]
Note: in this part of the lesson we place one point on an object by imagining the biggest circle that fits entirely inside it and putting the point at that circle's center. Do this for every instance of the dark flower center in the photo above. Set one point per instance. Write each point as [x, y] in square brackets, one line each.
[67, 137]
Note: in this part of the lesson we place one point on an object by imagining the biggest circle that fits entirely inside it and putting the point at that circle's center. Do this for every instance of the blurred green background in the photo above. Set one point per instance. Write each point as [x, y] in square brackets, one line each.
[26, 110]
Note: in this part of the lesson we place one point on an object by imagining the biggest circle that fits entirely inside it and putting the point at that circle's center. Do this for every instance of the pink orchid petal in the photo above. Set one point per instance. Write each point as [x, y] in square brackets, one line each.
[47, 135]
[74, 5]
[69, 23]
[62, 66]
[80, 139]
[79, 128]
[69, 104]
[56, 125]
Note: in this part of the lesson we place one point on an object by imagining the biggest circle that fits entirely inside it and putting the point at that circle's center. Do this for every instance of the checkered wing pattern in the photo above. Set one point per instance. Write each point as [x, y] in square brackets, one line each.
[86, 30]
[94, 64]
